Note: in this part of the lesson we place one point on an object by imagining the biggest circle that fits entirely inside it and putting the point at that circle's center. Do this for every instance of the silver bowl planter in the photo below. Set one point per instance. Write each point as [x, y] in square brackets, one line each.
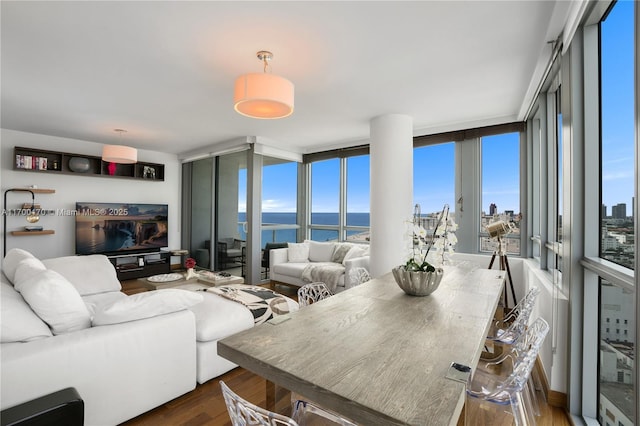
[417, 283]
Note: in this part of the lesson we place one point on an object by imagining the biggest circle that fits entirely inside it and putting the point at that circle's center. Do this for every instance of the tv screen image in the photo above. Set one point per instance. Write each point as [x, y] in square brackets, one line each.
[118, 228]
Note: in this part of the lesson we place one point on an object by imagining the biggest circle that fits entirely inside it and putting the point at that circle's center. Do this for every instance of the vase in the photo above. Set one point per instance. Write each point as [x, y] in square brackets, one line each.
[417, 283]
[191, 273]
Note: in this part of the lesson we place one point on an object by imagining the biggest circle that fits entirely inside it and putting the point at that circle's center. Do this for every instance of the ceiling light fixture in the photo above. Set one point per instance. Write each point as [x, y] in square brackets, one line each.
[119, 153]
[263, 95]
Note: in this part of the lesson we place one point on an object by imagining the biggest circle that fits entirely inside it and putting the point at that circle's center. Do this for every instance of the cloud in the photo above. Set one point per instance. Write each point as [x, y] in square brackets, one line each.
[618, 174]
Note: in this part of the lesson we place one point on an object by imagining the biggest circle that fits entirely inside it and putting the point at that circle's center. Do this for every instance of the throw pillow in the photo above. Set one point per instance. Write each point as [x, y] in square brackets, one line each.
[11, 261]
[298, 253]
[56, 302]
[355, 251]
[18, 323]
[320, 252]
[89, 274]
[26, 269]
[340, 251]
[145, 305]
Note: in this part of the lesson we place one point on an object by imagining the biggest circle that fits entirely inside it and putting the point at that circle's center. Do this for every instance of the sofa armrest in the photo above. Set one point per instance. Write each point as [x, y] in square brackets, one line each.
[350, 265]
[277, 256]
[154, 357]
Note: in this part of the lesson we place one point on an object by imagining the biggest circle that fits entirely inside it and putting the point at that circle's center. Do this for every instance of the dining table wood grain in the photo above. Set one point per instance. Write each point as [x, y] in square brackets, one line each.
[375, 354]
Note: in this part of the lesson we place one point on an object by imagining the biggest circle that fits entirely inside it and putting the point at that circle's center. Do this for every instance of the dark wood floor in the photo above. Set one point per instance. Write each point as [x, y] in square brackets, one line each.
[205, 405]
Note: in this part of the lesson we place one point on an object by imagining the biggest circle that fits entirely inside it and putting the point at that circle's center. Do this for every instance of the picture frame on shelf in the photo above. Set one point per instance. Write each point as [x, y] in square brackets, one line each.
[148, 172]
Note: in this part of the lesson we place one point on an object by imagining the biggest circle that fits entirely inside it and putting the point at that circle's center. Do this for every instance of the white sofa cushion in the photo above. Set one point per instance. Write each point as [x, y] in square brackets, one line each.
[217, 317]
[298, 252]
[144, 305]
[290, 269]
[11, 261]
[89, 274]
[320, 252]
[56, 301]
[18, 323]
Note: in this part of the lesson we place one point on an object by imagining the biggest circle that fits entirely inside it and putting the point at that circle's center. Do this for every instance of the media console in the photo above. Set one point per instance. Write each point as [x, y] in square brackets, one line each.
[132, 266]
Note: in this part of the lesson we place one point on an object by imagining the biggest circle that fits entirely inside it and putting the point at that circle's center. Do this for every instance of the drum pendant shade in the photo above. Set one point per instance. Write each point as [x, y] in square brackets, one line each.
[262, 95]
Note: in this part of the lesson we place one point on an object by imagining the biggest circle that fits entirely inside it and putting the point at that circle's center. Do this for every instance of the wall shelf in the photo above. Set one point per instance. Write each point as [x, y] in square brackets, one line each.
[25, 233]
[66, 163]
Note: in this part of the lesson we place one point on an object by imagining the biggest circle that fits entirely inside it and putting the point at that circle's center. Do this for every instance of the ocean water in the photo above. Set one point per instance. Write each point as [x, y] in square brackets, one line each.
[289, 235]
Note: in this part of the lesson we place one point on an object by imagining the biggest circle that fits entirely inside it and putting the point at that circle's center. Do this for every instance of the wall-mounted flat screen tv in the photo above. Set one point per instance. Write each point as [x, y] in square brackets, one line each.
[119, 228]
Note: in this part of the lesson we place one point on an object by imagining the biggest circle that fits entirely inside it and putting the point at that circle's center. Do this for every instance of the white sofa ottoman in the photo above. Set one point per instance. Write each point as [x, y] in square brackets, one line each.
[217, 318]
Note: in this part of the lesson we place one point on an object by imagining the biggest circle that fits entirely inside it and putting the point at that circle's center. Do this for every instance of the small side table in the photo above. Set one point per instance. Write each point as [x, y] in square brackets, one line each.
[183, 253]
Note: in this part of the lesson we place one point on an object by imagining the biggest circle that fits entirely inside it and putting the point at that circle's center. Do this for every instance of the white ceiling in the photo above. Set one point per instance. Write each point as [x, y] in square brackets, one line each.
[165, 70]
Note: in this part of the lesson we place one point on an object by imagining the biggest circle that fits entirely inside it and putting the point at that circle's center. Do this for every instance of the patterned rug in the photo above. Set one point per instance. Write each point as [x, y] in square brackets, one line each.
[263, 303]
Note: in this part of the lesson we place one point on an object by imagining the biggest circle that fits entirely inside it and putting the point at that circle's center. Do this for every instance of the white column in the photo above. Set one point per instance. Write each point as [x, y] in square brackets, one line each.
[391, 176]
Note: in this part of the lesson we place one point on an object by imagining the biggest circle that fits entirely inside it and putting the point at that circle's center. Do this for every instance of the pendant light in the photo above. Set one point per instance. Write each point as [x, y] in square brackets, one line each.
[266, 95]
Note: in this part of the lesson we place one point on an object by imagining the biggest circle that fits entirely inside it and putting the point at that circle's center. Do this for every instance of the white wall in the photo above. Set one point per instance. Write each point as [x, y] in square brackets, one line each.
[70, 189]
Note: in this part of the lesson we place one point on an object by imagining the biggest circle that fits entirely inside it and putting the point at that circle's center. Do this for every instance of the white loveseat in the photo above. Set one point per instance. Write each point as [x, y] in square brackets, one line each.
[65, 323]
[339, 265]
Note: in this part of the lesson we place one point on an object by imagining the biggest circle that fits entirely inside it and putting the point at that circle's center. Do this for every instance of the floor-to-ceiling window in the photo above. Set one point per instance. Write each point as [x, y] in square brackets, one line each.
[434, 177]
[501, 189]
[279, 201]
[339, 198]
[617, 396]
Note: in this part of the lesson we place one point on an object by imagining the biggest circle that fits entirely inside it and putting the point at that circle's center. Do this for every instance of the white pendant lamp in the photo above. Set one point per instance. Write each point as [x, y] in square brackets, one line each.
[119, 153]
[265, 96]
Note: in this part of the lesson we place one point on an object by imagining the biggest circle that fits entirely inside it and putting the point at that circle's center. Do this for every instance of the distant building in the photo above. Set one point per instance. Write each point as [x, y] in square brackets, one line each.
[619, 211]
[493, 209]
[509, 214]
[603, 211]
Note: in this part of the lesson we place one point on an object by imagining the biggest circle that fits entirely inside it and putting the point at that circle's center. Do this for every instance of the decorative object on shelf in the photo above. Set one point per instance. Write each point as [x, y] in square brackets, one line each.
[32, 215]
[263, 95]
[190, 263]
[148, 172]
[111, 168]
[119, 153]
[421, 274]
[79, 164]
[33, 228]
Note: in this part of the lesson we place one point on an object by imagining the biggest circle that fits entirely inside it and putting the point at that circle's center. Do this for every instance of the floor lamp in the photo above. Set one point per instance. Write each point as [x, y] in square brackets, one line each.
[497, 230]
[32, 217]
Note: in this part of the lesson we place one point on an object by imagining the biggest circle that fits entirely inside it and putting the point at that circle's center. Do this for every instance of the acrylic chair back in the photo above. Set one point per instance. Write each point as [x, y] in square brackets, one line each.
[512, 389]
[519, 317]
[312, 293]
[244, 413]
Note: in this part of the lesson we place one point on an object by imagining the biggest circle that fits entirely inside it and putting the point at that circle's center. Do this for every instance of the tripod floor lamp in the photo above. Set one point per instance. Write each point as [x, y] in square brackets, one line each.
[497, 230]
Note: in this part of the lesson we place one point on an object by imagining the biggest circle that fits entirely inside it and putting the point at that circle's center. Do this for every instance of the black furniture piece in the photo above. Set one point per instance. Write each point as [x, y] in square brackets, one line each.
[266, 253]
[63, 408]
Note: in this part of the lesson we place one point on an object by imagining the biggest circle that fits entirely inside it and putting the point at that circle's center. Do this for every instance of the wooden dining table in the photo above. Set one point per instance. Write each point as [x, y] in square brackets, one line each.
[375, 354]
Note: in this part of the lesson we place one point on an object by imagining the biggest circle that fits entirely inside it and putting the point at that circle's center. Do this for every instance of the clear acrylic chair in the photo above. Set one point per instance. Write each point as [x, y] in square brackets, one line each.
[509, 329]
[244, 413]
[512, 390]
[312, 293]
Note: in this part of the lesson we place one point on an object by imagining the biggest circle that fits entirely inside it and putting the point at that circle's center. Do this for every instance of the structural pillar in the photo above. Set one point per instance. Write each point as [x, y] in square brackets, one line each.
[391, 178]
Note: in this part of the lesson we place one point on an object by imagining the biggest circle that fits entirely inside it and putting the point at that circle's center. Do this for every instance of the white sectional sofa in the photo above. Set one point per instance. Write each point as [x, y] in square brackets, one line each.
[339, 265]
[65, 323]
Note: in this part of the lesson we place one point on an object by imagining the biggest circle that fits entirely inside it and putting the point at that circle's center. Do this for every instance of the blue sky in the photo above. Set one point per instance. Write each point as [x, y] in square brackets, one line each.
[434, 165]
[617, 107]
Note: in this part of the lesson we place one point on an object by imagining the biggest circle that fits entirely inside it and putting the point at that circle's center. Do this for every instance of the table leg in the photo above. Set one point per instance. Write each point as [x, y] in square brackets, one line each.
[278, 399]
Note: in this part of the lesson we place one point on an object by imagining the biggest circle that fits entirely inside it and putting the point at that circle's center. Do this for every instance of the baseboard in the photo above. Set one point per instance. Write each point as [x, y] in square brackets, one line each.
[554, 398]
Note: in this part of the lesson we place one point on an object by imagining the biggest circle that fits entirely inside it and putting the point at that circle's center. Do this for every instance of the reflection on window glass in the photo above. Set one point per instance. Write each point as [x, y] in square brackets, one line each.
[325, 192]
[617, 331]
[501, 188]
[558, 168]
[617, 143]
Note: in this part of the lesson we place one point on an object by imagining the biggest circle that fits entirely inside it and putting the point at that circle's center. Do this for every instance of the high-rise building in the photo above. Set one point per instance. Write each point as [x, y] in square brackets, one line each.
[619, 211]
[603, 211]
[493, 209]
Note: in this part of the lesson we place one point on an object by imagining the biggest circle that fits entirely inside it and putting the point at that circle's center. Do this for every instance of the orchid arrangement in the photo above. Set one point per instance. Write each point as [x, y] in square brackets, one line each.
[422, 244]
